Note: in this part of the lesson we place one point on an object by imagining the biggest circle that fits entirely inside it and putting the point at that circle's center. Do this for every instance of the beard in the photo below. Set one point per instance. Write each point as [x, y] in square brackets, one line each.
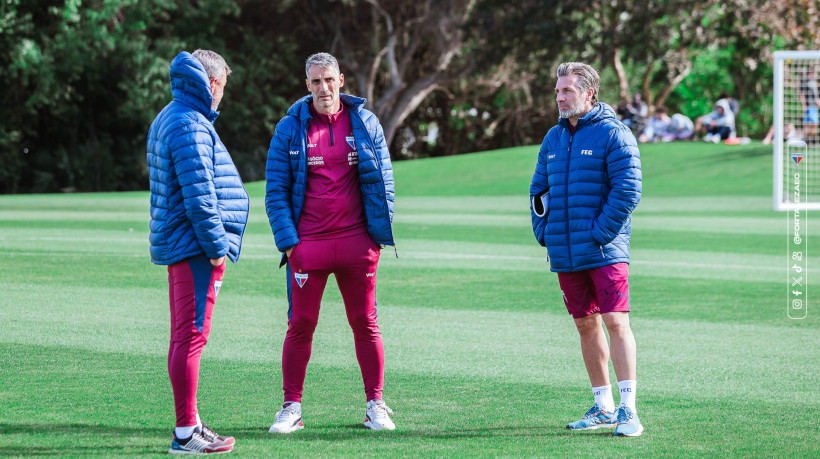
[573, 110]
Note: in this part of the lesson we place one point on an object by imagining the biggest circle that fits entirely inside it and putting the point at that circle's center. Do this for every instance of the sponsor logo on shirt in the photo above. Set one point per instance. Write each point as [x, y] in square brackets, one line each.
[370, 274]
[315, 160]
[311, 145]
[352, 158]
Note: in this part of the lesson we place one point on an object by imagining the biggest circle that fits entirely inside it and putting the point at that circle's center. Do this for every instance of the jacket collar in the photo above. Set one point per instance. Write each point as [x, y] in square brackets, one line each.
[599, 112]
[301, 108]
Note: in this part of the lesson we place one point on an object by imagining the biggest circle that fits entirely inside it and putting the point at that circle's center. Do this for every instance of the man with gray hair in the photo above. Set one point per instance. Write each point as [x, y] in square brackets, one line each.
[586, 184]
[199, 209]
[329, 199]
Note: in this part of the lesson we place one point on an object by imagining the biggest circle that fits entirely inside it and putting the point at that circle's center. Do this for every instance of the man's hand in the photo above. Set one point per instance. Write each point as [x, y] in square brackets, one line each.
[218, 261]
[289, 251]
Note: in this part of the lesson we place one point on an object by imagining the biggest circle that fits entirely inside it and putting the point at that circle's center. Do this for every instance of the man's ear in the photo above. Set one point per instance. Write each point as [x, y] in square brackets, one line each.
[341, 79]
[213, 82]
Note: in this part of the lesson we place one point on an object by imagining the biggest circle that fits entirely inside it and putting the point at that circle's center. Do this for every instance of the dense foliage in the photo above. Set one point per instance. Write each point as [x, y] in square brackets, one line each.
[84, 78]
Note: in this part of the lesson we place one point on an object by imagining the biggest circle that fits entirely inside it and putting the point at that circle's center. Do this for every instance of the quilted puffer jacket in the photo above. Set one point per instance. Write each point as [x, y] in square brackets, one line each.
[199, 205]
[584, 190]
[286, 172]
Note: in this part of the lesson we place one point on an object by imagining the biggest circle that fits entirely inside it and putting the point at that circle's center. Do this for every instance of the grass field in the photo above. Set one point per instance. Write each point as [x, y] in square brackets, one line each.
[482, 358]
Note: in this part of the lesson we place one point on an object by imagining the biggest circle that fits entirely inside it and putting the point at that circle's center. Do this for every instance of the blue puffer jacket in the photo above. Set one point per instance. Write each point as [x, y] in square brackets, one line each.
[583, 192]
[286, 172]
[198, 203]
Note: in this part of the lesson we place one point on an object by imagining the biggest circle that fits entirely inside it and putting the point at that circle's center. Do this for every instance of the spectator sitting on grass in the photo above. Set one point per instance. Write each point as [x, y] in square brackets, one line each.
[656, 127]
[717, 125]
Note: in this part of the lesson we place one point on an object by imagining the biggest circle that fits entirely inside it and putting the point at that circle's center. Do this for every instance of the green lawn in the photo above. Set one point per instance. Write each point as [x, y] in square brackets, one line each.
[482, 358]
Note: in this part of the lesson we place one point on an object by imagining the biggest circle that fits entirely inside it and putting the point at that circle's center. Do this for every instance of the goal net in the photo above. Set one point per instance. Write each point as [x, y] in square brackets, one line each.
[796, 138]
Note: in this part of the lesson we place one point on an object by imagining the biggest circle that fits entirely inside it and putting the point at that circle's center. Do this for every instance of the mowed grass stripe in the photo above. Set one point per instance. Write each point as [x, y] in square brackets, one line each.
[472, 343]
[58, 425]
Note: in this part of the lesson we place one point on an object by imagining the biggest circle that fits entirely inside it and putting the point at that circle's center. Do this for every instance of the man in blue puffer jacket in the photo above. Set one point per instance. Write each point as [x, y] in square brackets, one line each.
[587, 183]
[329, 199]
[199, 209]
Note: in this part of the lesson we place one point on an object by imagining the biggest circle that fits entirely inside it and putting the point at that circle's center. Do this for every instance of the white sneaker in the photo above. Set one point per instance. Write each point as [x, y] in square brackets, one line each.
[377, 416]
[708, 137]
[288, 419]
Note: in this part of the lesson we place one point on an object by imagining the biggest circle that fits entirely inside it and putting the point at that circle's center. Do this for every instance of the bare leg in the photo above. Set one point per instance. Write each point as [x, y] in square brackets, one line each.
[594, 349]
[622, 345]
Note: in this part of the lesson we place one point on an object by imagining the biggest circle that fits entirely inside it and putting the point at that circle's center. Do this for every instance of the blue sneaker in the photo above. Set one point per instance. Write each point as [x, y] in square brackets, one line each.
[594, 419]
[628, 423]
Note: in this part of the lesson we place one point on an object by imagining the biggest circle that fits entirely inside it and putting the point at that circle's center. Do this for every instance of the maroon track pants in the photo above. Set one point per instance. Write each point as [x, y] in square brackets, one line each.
[193, 286]
[353, 260]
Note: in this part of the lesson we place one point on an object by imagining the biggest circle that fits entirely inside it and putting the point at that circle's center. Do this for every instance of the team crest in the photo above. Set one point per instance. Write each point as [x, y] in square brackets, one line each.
[351, 141]
[797, 157]
[217, 286]
[300, 279]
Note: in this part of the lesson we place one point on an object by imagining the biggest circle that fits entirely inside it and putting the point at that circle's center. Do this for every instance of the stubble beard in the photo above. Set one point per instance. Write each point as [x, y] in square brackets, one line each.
[574, 110]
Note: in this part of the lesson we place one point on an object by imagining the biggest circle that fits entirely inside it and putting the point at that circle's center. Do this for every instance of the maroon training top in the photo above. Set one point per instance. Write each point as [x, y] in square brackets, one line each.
[333, 200]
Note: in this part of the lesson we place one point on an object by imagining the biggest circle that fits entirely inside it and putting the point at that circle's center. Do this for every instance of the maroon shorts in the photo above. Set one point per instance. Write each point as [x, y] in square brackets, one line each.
[598, 290]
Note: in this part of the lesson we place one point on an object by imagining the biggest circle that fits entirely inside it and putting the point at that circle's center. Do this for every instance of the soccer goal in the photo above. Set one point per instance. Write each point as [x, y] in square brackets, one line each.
[796, 142]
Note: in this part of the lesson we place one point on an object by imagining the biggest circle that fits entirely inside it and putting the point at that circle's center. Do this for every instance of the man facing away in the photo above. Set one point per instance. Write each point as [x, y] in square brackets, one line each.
[586, 184]
[199, 208]
[329, 199]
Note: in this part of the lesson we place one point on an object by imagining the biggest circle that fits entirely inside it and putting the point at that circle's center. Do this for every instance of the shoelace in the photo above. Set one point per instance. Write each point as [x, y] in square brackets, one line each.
[624, 414]
[381, 410]
[592, 411]
[285, 412]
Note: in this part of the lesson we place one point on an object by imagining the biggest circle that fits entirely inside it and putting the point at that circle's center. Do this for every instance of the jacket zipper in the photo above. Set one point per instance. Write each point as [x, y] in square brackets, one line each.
[566, 196]
[331, 133]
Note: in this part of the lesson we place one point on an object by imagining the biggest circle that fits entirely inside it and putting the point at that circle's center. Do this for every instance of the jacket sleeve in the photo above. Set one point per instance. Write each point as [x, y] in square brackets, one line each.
[386, 167]
[192, 153]
[278, 188]
[539, 194]
[623, 164]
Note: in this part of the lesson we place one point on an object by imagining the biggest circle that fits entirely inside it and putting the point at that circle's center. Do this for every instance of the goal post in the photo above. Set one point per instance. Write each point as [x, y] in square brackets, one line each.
[796, 138]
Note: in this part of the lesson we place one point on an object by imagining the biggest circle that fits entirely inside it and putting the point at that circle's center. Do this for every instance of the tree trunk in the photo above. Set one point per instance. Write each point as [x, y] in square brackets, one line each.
[623, 83]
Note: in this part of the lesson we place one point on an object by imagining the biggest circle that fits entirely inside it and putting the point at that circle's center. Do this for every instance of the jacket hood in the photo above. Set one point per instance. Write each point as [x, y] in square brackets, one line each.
[301, 108]
[724, 104]
[599, 112]
[190, 84]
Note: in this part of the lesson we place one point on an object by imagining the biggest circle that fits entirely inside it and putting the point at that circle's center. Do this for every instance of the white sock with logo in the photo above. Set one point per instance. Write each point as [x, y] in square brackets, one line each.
[627, 388]
[603, 398]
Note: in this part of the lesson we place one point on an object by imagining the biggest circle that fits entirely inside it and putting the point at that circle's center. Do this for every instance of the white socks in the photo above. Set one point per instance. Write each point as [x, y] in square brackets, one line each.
[627, 388]
[603, 395]
[184, 432]
[603, 398]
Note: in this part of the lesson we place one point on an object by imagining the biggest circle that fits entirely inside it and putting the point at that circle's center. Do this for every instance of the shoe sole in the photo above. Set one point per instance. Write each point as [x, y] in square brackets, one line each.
[182, 451]
[636, 434]
[371, 426]
[607, 425]
[293, 429]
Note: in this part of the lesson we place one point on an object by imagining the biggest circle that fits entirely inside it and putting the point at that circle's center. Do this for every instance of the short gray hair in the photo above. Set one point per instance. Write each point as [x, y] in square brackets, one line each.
[324, 60]
[587, 77]
[215, 65]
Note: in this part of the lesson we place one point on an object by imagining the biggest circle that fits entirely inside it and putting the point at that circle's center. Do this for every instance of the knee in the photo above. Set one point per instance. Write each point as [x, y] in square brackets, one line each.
[362, 322]
[588, 326]
[617, 324]
[302, 326]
